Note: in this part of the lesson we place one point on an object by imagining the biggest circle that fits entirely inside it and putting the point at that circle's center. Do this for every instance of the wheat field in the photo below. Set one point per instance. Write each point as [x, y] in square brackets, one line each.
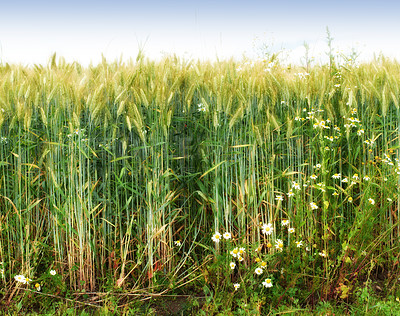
[147, 177]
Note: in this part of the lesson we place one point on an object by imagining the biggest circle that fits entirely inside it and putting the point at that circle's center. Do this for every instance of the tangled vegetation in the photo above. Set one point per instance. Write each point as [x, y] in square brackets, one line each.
[267, 185]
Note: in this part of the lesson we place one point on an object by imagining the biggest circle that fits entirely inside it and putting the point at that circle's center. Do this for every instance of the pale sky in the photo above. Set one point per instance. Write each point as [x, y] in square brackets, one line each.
[31, 31]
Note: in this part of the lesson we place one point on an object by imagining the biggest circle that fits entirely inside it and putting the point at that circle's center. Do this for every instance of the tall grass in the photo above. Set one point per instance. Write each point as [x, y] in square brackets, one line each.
[103, 168]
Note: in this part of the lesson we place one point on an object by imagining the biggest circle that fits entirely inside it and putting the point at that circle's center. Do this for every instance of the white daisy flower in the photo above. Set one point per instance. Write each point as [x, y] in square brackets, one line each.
[267, 229]
[267, 283]
[313, 206]
[278, 244]
[20, 278]
[216, 237]
[295, 185]
[258, 271]
[235, 252]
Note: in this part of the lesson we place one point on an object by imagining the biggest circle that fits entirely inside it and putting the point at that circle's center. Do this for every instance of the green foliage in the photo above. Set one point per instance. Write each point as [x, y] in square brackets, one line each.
[104, 169]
